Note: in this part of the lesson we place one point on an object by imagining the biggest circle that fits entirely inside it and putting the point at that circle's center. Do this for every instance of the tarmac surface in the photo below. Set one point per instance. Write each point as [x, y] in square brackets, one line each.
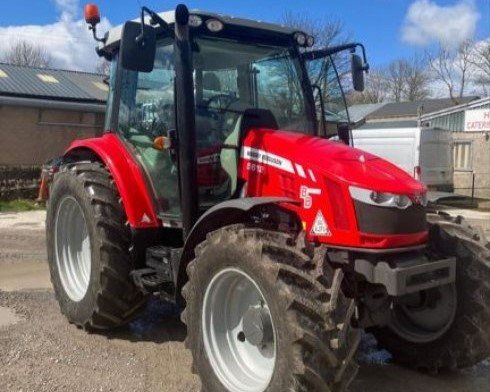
[41, 352]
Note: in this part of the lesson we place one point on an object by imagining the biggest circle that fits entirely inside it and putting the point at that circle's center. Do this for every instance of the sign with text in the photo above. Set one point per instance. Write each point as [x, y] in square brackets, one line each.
[477, 120]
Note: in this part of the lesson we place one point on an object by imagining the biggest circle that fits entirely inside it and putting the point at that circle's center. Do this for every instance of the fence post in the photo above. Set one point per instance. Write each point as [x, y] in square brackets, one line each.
[473, 186]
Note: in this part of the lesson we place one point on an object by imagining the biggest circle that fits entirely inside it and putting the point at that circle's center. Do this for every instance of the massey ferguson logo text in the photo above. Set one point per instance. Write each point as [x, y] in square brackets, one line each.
[267, 158]
[257, 156]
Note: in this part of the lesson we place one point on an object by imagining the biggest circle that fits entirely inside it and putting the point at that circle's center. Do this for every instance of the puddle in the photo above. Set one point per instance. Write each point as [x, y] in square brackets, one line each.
[8, 317]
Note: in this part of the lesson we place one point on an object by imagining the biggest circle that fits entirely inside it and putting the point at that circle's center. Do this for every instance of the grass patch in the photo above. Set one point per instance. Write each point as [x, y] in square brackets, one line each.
[19, 205]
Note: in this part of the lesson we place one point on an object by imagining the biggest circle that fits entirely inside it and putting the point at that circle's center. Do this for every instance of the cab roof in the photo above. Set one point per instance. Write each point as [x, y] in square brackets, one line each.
[113, 36]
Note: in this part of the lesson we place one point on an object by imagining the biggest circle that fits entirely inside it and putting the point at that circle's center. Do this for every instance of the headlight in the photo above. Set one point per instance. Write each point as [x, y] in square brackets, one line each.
[380, 199]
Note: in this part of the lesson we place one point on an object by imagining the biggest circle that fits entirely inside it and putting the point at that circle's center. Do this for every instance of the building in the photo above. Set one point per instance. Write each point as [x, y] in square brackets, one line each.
[359, 112]
[43, 110]
[407, 114]
[470, 124]
[469, 121]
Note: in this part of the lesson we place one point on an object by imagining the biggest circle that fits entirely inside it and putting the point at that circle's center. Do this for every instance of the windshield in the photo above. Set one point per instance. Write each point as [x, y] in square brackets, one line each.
[326, 80]
[231, 77]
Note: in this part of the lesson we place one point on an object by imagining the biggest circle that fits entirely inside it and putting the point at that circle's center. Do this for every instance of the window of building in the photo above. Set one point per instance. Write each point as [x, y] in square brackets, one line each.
[463, 155]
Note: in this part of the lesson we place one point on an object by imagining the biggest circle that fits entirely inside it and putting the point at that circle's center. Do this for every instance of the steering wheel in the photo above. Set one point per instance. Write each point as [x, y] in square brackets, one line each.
[159, 127]
[223, 101]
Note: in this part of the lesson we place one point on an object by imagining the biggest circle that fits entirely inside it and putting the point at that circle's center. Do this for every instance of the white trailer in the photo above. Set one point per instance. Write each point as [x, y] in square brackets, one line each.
[424, 153]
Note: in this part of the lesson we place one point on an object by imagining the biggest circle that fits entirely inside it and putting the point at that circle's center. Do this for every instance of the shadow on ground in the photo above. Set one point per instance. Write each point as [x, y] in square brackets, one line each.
[159, 322]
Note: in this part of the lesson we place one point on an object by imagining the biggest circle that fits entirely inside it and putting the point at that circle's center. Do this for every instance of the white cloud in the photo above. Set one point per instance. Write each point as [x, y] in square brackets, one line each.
[426, 23]
[68, 40]
[68, 8]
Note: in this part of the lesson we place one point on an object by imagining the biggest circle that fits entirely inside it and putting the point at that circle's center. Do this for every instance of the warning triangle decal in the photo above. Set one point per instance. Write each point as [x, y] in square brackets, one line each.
[320, 226]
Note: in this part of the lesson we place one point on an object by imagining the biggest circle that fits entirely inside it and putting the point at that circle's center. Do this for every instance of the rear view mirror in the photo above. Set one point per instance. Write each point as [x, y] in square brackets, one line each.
[357, 69]
[138, 50]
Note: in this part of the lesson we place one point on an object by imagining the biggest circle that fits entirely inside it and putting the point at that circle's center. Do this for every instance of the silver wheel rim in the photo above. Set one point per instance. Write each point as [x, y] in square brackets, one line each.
[240, 365]
[423, 321]
[72, 247]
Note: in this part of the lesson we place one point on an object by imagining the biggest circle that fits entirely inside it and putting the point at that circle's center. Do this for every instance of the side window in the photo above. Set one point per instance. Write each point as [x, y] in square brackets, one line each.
[323, 77]
[147, 111]
[147, 99]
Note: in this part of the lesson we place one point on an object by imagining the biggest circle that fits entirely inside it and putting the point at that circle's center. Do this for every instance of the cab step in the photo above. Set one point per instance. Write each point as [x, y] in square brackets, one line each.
[160, 273]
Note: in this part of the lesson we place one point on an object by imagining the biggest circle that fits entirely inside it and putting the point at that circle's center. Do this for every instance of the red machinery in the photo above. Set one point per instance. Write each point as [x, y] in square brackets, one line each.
[216, 187]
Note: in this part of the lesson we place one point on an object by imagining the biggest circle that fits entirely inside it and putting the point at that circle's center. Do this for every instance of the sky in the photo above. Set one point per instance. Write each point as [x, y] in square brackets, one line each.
[389, 29]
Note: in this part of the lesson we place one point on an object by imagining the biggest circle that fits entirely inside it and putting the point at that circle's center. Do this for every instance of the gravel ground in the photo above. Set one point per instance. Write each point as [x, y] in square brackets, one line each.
[41, 352]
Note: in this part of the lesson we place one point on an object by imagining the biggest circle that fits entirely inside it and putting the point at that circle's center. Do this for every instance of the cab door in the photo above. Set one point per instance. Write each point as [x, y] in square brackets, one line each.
[147, 111]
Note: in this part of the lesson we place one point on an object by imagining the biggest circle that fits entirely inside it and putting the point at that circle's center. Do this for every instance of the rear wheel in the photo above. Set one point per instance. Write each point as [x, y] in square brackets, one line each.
[446, 327]
[88, 249]
[262, 315]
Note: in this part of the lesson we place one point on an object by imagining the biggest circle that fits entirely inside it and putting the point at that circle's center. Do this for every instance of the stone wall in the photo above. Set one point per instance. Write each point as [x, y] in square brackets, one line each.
[32, 136]
[463, 180]
[20, 181]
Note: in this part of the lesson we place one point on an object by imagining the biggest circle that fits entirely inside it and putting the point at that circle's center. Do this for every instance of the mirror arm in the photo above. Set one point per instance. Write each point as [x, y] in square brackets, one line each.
[320, 53]
[365, 68]
[93, 27]
[154, 20]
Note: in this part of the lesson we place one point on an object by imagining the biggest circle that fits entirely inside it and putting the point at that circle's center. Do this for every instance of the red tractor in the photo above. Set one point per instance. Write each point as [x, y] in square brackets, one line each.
[215, 187]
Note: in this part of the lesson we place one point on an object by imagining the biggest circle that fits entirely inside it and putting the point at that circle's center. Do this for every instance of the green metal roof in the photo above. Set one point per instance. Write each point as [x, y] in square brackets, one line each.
[53, 84]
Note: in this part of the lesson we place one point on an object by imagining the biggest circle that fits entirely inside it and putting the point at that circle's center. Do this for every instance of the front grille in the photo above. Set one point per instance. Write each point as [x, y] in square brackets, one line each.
[390, 220]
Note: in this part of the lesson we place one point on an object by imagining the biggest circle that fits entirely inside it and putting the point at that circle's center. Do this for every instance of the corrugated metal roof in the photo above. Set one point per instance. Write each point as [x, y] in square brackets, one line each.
[477, 104]
[453, 118]
[359, 112]
[410, 109]
[56, 84]
[388, 124]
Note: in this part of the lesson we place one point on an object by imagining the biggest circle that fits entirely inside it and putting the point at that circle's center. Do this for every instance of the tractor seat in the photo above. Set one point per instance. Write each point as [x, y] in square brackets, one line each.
[251, 118]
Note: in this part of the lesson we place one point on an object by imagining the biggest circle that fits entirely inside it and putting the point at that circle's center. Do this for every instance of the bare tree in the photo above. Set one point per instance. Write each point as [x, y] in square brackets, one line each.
[400, 80]
[395, 78]
[452, 67]
[27, 54]
[103, 68]
[323, 72]
[376, 89]
[416, 80]
[327, 32]
[480, 61]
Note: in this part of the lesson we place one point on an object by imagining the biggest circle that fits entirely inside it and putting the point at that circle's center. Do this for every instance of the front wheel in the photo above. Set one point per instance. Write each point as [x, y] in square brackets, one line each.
[262, 315]
[447, 327]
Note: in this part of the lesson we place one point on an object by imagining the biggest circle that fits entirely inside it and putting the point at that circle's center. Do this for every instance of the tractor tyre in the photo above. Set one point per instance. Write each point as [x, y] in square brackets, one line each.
[88, 245]
[263, 315]
[465, 340]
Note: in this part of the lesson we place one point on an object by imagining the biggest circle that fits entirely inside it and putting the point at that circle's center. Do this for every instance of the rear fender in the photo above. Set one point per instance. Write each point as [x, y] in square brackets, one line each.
[127, 174]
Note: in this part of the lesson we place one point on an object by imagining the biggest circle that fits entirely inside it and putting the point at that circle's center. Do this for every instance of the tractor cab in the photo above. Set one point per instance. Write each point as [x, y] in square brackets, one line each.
[242, 74]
